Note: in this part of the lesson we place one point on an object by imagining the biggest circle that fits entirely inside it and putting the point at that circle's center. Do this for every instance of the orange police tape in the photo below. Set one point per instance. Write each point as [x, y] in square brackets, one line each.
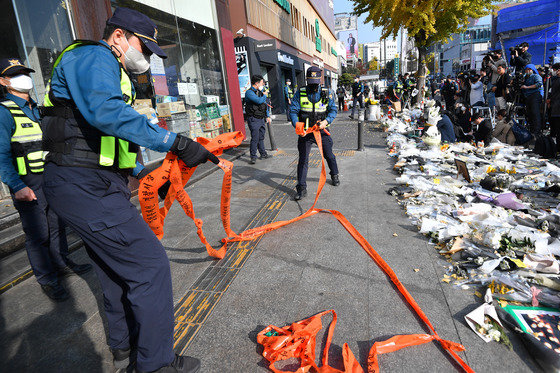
[296, 340]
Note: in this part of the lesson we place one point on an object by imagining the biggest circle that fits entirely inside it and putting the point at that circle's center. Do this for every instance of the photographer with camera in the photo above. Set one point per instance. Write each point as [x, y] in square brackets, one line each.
[501, 87]
[490, 65]
[476, 94]
[553, 103]
[520, 57]
[448, 91]
[532, 89]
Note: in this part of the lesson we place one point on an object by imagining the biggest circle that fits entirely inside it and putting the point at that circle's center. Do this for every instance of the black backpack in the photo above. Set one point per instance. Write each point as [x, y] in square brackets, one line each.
[545, 146]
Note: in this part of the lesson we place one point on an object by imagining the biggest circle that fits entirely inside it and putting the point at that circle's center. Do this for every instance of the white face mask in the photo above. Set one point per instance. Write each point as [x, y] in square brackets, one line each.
[21, 83]
[288, 83]
[261, 87]
[135, 62]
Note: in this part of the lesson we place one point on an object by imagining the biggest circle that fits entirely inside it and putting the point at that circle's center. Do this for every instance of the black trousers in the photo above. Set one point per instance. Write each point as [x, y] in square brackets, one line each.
[355, 100]
[555, 131]
[341, 104]
[533, 104]
[130, 261]
[45, 233]
[257, 126]
[304, 146]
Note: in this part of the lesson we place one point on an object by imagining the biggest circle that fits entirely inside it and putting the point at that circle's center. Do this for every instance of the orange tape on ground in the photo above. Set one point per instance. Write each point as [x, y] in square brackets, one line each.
[296, 340]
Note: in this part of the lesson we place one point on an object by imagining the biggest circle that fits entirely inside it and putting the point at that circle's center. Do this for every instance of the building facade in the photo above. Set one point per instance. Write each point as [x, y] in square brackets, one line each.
[280, 40]
[383, 50]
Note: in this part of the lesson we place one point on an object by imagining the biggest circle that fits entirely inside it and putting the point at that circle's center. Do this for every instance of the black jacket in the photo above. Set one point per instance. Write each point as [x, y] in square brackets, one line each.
[554, 96]
[521, 61]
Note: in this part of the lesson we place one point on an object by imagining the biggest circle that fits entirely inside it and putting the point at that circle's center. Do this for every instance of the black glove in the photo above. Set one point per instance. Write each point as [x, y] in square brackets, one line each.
[162, 190]
[191, 152]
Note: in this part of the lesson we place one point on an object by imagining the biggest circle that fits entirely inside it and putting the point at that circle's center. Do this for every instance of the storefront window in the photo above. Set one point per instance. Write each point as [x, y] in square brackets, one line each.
[188, 87]
[45, 27]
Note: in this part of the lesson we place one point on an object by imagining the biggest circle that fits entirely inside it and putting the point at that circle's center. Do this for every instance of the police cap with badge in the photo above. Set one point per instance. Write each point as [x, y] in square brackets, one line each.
[140, 25]
[13, 66]
[313, 76]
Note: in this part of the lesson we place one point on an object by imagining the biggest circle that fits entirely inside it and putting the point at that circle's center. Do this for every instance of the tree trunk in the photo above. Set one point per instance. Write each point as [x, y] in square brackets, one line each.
[421, 74]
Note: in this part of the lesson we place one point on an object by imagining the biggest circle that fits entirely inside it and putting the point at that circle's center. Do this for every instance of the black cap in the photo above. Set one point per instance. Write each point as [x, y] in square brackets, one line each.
[140, 25]
[313, 75]
[13, 66]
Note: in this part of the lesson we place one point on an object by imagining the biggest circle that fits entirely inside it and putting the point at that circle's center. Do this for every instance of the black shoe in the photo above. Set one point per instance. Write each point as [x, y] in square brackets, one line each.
[266, 156]
[335, 180]
[121, 358]
[55, 291]
[351, 116]
[300, 194]
[74, 269]
[253, 161]
[182, 364]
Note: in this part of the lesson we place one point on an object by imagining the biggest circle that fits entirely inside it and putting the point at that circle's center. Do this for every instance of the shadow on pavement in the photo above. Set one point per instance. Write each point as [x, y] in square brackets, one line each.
[52, 342]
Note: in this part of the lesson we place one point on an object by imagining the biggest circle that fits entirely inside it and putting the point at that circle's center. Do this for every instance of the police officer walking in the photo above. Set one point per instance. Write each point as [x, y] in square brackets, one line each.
[288, 95]
[21, 168]
[357, 95]
[92, 134]
[256, 110]
[312, 105]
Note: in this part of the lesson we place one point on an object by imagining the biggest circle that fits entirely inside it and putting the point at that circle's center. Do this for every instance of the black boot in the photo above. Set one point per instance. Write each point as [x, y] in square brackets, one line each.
[335, 180]
[73, 269]
[181, 364]
[253, 160]
[121, 358]
[55, 291]
[301, 193]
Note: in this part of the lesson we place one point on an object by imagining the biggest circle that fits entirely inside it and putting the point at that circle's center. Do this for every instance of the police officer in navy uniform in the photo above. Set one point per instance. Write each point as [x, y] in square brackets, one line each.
[92, 134]
[21, 168]
[312, 105]
[257, 113]
[288, 95]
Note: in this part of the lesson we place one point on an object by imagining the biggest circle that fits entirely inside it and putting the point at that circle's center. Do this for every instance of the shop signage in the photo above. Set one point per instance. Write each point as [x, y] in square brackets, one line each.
[319, 63]
[317, 36]
[285, 58]
[265, 45]
[284, 4]
[333, 51]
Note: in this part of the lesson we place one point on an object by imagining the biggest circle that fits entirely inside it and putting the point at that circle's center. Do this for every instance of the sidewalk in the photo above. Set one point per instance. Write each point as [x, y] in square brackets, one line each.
[285, 276]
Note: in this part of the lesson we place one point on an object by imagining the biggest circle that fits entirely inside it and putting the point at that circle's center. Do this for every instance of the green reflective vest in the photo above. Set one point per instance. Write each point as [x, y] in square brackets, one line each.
[399, 87]
[26, 142]
[310, 113]
[111, 149]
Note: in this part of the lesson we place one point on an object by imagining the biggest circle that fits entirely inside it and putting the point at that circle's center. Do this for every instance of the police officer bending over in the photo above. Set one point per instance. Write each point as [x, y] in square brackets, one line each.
[21, 168]
[312, 105]
[92, 134]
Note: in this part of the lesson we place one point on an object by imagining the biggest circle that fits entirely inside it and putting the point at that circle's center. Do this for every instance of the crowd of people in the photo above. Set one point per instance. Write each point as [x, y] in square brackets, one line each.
[517, 103]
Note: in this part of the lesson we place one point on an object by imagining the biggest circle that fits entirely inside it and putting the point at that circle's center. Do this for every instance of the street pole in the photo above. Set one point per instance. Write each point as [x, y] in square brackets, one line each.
[271, 135]
[361, 129]
[544, 55]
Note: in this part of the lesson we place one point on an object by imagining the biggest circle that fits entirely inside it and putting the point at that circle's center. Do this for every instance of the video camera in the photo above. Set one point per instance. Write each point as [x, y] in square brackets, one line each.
[490, 56]
[518, 48]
